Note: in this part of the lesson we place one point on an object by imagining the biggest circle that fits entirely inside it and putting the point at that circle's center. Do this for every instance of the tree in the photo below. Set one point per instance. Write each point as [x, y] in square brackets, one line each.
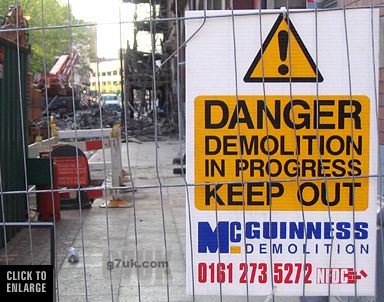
[56, 40]
[84, 38]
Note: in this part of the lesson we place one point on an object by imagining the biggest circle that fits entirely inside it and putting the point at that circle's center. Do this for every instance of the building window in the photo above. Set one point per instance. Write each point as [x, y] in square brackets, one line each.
[114, 83]
[103, 83]
[109, 73]
[115, 72]
[329, 3]
[103, 74]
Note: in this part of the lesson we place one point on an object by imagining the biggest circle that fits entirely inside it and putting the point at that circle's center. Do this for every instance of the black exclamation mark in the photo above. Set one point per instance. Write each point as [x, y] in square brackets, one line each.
[283, 47]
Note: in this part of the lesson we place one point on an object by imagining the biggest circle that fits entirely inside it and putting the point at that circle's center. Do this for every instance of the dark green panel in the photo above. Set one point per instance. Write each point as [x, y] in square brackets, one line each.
[39, 171]
[11, 138]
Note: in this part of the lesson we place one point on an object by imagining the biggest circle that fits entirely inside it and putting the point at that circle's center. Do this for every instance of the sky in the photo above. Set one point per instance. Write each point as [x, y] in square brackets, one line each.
[102, 12]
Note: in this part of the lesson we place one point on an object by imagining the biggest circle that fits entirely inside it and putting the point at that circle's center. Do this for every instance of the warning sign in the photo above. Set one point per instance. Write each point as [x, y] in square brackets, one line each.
[307, 138]
[284, 172]
[72, 172]
[283, 57]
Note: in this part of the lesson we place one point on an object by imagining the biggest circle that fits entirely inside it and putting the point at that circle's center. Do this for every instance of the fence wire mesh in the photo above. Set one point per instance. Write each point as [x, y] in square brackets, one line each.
[129, 242]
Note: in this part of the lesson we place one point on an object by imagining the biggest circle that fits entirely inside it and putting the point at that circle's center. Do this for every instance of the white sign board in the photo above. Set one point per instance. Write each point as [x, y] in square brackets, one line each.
[282, 199]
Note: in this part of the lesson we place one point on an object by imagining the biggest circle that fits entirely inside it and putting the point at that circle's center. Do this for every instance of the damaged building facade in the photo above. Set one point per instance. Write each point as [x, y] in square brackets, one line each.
[155, 80]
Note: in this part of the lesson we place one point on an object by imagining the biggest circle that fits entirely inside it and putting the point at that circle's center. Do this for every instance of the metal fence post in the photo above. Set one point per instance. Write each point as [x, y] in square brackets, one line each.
[116, 201]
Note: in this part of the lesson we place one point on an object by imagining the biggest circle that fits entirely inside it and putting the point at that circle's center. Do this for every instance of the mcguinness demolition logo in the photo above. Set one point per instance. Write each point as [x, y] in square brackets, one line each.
[227, 237]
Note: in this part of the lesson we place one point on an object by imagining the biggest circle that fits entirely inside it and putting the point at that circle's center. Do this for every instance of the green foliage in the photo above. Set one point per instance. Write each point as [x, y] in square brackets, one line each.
[56, 40]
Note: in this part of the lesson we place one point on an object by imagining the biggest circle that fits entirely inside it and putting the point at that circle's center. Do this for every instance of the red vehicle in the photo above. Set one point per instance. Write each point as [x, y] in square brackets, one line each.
[59, 85]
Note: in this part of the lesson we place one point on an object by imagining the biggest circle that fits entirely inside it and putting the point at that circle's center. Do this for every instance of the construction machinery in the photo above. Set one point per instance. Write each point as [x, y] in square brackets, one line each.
[57, 86]
[14, 24]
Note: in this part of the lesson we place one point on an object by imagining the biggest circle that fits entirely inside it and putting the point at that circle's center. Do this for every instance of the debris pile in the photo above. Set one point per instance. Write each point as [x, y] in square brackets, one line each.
[142, 129]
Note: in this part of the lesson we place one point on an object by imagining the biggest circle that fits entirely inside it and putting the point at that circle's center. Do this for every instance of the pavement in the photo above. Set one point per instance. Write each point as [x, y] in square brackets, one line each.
[112, 242]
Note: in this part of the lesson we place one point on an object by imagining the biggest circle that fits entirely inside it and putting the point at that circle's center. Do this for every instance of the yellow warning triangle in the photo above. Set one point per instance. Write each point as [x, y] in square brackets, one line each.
[285, 57]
